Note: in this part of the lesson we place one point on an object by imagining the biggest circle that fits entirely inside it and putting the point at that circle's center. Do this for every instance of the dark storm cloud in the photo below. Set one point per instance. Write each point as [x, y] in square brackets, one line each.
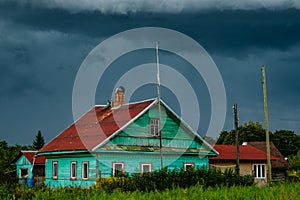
[224, 31]
[156, 6]
[42, 44]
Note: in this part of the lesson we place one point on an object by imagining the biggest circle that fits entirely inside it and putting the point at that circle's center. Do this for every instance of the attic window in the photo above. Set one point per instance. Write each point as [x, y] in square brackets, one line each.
[154, 127]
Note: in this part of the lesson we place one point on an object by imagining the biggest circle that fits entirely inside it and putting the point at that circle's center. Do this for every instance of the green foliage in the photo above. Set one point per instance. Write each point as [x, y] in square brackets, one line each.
[294, 160]
[166, 180]
[8, 153]
[277, 191]
[39, 141]
[249, 132]
[286, 141]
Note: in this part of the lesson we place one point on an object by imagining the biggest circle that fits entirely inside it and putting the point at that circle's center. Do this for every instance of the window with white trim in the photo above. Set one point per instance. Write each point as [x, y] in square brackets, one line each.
[118, 167]
[73, 170]
[54, 170]
[85, 170]
[145, 167]
[259, 170]
[154, 127]
[188, 165]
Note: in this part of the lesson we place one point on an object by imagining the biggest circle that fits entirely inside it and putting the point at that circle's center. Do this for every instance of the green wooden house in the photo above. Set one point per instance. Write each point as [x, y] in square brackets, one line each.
[123, 137]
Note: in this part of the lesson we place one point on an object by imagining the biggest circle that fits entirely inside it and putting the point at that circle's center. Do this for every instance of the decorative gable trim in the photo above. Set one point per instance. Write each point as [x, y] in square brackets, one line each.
[185, 125]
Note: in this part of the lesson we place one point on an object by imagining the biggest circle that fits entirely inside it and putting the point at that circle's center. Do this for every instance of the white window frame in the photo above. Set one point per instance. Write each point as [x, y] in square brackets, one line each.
[114, 167]
[185, 164]
[54, 170]
[73, 165]
[145, 164]
[83, 170]
[259, 171]
[154, 126]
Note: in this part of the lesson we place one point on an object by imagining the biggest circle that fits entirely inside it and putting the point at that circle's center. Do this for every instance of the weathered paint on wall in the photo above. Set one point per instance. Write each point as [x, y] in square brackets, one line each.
[64, 173]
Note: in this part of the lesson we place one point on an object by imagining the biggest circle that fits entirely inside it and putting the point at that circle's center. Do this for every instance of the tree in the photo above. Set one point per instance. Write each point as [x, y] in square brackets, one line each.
[286, 141]
[39, 141]
[295, 161]
[249, 132]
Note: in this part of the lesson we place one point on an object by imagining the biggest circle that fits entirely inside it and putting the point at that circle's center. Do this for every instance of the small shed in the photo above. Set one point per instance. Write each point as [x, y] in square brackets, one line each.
[29, 165]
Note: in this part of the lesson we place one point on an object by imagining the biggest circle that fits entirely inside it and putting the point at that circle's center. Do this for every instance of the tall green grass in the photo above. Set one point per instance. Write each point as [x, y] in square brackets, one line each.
[282, 191]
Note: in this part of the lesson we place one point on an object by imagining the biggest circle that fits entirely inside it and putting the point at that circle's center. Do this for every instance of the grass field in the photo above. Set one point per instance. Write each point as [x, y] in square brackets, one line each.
[278, 191]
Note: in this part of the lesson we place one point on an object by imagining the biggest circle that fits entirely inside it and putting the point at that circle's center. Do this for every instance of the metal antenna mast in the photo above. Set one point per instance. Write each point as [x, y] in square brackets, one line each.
[159, 108]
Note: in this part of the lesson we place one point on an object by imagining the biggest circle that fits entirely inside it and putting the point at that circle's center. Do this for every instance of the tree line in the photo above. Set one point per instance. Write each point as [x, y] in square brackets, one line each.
[286, 141]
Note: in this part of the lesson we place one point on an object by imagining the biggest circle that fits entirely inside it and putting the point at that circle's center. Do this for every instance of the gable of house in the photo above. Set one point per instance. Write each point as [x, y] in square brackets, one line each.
[177, 137]
[131, 123]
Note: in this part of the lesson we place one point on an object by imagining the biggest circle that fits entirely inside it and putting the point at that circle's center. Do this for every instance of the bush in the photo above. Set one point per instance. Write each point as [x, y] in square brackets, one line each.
[167, 180]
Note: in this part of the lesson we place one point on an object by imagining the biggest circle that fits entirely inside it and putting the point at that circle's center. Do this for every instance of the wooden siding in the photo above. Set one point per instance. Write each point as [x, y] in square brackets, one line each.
[173, 135]
[64, 164]
[132, 162]
[23, 163]
[171, 128]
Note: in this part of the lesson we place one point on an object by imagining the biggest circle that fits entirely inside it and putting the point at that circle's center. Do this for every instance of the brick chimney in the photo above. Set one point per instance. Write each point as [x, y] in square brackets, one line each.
[119, 96]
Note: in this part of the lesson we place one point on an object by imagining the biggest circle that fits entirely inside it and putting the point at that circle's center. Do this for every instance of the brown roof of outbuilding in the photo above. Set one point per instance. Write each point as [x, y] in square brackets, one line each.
[281, 163]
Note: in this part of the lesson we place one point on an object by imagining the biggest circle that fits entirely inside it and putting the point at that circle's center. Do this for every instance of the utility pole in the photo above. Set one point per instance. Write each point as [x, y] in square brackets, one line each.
[267, 124]
[236, 125]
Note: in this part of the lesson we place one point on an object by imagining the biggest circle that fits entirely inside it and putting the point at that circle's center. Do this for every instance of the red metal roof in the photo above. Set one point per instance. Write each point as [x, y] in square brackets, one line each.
[39, 160]
[95, 126]
[247, 152]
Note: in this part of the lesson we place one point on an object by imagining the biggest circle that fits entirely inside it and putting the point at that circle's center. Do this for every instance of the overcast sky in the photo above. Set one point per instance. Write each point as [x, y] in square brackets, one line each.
[44, 42]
